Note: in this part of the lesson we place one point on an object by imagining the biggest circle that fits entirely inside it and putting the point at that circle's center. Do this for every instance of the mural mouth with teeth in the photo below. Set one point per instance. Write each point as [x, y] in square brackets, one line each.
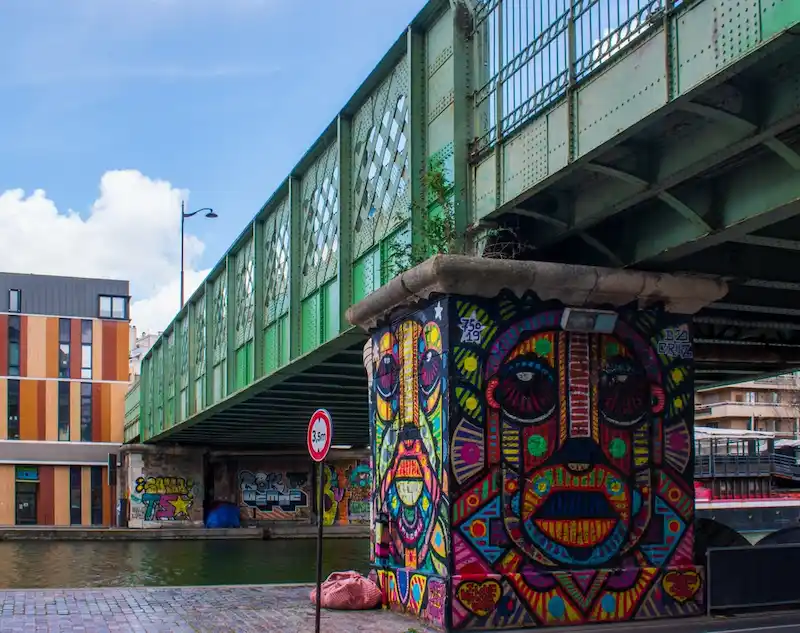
[578, 511]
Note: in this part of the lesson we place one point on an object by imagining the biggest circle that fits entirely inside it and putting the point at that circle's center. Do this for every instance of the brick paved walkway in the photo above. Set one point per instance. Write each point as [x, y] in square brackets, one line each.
[184, 610]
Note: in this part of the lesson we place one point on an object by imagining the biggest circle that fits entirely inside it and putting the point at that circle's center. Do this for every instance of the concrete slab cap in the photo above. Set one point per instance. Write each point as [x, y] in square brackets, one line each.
[575, 286]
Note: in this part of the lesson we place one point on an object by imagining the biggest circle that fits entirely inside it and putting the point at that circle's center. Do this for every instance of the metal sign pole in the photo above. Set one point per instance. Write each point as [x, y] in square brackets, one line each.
[319, 438]
[320, 521]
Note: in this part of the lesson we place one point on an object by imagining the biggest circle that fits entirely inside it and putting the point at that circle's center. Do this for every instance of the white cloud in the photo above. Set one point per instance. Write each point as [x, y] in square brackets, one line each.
[159, 308]
[130, 232]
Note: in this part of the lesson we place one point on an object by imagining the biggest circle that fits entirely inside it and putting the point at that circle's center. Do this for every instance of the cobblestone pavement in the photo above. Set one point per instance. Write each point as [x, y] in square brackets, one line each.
[184, 610]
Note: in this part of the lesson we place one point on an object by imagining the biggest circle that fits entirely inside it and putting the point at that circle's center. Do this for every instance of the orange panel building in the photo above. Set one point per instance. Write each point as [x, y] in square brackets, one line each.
[64, 347]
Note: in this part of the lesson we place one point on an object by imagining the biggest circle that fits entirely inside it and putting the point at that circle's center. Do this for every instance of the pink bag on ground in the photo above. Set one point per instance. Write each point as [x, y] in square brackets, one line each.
[348, 590]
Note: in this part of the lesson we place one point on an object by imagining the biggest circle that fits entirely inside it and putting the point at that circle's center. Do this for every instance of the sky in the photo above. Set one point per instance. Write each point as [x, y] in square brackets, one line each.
[113, 111]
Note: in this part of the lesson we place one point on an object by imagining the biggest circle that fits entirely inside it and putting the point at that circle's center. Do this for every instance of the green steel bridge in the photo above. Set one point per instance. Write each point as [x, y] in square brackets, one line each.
[653, 134]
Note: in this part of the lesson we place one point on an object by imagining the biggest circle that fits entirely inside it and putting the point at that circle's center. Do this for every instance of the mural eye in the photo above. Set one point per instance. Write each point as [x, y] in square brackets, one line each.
[526, 390]
[387, 376]
[624, 391]
[429, 371]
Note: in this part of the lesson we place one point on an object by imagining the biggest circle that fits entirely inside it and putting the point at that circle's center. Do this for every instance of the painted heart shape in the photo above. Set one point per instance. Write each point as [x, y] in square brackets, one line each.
[480, 598]
[681, 585]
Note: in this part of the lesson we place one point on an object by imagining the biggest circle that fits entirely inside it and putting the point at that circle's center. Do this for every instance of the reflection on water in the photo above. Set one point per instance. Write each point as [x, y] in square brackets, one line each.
[75, 564]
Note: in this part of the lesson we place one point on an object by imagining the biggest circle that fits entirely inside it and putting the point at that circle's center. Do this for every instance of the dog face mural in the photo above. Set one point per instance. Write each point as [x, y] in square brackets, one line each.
[409, 414]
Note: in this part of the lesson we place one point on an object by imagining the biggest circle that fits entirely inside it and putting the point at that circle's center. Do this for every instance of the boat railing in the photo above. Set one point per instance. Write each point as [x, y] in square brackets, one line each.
[716, 465]
[786, 466]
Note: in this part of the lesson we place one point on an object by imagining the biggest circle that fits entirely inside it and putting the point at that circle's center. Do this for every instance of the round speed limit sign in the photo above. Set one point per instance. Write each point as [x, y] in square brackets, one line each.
[320, 434]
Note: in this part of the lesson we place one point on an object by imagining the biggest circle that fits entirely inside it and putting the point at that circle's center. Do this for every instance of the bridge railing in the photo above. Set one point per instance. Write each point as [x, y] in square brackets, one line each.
[533, 52]
[131, 425]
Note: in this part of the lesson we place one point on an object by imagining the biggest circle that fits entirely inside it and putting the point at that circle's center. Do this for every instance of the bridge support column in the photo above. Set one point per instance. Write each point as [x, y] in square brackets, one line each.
[532, 442]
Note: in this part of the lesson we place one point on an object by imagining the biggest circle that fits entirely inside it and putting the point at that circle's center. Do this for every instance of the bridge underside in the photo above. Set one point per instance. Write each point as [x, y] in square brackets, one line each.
[274, 412]
[709, 185]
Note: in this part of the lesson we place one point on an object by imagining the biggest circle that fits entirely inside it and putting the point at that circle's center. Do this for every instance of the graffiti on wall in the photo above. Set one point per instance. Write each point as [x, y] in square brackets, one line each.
[571, 462]
[409, 407]
[162, 499]
[421, 595]
[346, 492]
[274, 496]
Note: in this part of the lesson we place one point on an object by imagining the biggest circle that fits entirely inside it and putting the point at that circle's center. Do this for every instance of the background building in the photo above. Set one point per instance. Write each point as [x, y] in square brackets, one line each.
[64, 366]
[770, 404]
[139, 346]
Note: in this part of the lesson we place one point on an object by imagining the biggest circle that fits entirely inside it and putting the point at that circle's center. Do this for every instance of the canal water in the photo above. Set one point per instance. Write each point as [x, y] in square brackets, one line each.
[80, 564]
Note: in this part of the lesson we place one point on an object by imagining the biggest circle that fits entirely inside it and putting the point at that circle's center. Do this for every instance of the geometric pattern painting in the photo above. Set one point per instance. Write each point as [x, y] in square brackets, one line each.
[548, 473]
[573, 496]
[345, 492]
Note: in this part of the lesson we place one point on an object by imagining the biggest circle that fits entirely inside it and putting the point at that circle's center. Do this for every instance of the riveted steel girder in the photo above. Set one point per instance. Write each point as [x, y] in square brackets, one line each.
[751, 197]
[678, 160]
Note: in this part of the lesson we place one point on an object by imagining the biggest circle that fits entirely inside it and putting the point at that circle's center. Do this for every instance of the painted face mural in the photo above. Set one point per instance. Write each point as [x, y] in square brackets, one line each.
[409, 383]
[571, 455]
[574, 412]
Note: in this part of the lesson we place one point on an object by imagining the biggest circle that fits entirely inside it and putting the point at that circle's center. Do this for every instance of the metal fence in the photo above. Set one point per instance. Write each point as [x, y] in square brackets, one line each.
[532, 51]
[752, 577]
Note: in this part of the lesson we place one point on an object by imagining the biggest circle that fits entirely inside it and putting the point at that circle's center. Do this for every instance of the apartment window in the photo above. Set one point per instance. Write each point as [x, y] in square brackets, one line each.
[13, 345]
[75, 514]
[113, 307]
[14, 300]
[86, 412]
[12, 409]
[97, 495]
[750, 397]
[64, 329]
[63, 411]
[86, 349]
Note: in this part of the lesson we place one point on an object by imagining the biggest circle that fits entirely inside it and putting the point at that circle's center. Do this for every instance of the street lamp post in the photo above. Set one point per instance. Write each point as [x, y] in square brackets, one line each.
[184, 216]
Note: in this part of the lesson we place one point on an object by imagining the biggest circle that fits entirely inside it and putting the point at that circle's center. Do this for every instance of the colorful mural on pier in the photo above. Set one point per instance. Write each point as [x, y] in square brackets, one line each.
[346, 491]
[410, 453]
[571, 460]
[570, 466]
[275, 495]
[286, 495]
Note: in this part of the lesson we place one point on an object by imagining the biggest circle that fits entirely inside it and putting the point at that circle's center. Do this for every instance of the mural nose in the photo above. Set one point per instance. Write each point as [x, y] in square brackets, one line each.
[580, 455]
[409, 433]
[579, 467]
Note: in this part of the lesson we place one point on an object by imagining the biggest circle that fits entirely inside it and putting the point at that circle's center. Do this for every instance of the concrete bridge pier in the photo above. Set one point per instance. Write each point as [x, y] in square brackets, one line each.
[532, 442]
